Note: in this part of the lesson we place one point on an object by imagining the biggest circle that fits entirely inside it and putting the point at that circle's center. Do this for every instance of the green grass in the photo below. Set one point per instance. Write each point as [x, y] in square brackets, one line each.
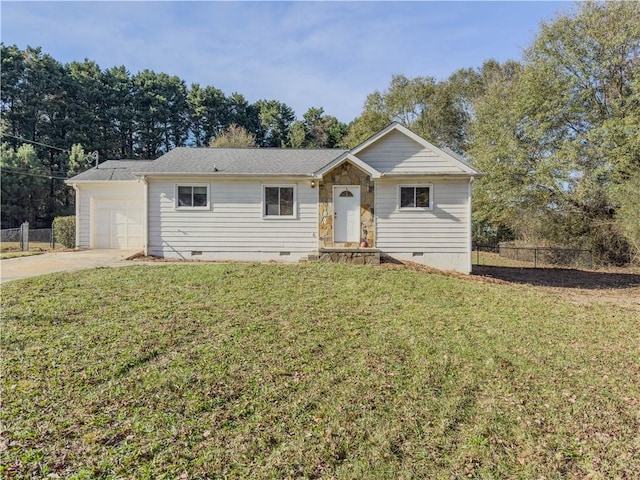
[494, 259]
[12, 249]
[7, 255]
[313, 371]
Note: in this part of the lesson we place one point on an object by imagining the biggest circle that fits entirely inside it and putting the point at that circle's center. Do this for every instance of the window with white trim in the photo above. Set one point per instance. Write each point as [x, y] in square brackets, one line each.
[279, 201]
[415, 197]
[192, 196]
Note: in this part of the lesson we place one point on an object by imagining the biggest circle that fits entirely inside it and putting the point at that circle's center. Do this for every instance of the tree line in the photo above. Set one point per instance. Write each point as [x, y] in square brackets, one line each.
[556, 132]
[121, 115]
[55, 107]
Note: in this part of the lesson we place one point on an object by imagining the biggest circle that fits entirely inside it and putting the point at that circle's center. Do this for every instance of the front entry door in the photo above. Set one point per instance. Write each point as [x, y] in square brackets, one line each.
[346, 200]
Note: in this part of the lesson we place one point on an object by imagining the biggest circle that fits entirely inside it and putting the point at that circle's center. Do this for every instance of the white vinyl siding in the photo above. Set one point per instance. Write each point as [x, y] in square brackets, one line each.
[91, 196]
[234, 225]
[439, 236]
[397, 153]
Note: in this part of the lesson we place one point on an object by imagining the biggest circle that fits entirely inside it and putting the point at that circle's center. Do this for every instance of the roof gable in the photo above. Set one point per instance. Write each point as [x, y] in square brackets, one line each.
[348, 157]
[397, 150]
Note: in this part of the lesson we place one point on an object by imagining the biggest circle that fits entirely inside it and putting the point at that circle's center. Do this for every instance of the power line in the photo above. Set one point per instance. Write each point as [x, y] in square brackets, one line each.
[25, 170]
[33, 141]
[39, 175]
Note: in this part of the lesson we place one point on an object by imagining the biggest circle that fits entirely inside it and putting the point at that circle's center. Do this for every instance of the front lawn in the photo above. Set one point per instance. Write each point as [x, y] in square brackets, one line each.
[313, 371]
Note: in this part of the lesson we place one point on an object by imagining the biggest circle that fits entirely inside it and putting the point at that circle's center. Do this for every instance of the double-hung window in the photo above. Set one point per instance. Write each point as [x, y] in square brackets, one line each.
[194, 196]
[415, 197]
[279, 201]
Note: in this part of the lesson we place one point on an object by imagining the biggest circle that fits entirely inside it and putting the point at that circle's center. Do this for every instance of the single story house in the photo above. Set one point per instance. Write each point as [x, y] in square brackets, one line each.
[395, 194]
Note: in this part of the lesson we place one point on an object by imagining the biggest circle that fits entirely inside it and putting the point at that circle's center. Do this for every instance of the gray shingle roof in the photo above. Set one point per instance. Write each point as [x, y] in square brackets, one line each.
[112, 170]
[224, 161]
[241, 161]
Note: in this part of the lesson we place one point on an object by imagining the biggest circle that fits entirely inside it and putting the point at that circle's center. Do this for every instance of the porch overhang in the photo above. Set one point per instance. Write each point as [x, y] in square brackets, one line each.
[348, 157]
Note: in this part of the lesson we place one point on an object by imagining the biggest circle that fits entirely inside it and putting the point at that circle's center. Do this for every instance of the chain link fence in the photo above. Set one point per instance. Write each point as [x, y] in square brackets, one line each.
[24, 238]
[509, 255]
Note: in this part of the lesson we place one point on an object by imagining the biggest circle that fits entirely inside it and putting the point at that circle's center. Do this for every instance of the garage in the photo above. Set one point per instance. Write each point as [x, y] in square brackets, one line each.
[117, 223]
[110, 206]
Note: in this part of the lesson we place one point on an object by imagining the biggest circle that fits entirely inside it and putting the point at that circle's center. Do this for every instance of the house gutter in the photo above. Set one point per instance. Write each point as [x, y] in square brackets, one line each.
[220, 174]
[100, 182]
[432, 174]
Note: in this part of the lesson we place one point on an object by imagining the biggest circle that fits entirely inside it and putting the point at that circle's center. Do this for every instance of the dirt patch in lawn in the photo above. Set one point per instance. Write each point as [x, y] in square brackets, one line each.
[620, 286]
[563, 277]
[613, 285]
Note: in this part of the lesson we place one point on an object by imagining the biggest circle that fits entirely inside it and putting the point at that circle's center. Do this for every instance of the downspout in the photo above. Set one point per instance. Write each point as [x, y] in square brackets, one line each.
[375, 212]
[77, 190]
[316, 182]
[470, 224]
[145, 225]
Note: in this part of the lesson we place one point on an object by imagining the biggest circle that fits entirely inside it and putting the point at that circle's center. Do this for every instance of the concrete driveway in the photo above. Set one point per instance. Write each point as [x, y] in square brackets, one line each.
[32, 266]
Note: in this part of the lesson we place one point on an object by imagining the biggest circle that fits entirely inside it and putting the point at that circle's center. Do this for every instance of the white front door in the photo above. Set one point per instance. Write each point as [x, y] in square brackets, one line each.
[346, 225]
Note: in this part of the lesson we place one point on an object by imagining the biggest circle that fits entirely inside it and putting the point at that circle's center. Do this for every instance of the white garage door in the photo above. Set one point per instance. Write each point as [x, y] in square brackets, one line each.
[117, 224]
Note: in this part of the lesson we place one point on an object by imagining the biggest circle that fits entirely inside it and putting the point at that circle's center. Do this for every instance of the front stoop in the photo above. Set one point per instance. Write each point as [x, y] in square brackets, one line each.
[353, 256]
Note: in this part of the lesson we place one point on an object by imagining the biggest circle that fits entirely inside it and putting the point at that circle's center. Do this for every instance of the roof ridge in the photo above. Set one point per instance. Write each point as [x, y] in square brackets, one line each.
[127, 160]
[260, 149]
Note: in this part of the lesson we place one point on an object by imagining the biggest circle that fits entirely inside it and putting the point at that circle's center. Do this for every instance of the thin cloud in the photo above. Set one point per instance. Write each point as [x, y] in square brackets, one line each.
[322, 54]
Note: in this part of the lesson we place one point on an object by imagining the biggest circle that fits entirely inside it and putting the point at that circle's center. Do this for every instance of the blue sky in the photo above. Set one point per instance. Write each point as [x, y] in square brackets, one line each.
[321, 54]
